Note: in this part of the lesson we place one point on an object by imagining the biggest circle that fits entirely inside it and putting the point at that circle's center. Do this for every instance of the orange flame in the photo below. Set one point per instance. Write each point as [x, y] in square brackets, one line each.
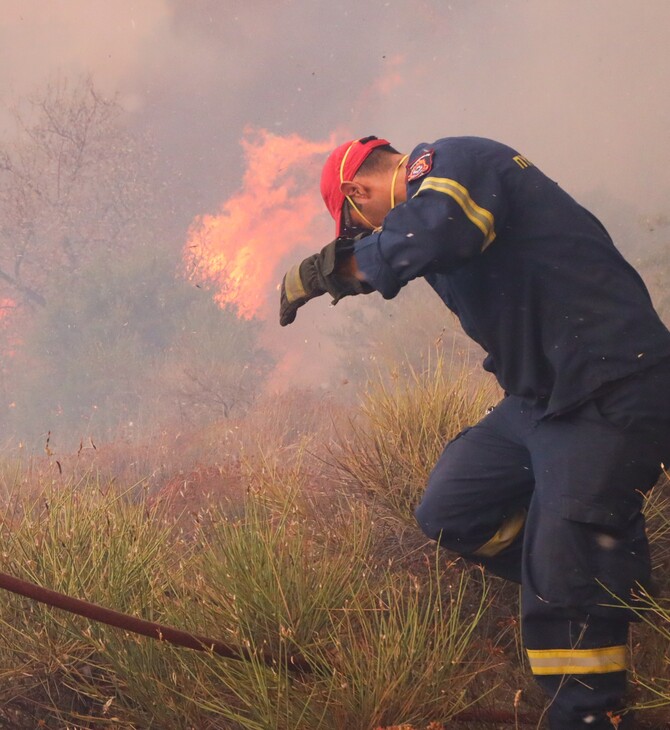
[238, 251]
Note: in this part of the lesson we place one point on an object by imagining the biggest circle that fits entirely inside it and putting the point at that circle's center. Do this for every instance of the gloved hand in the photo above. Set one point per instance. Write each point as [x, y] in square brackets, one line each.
[317, 275]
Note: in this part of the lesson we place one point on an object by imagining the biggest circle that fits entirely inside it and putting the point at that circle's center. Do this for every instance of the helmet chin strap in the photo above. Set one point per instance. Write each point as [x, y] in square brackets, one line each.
[360, 212]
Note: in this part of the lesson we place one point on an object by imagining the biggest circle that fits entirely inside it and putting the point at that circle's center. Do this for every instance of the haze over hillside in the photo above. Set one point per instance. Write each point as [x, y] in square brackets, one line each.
[202, 86]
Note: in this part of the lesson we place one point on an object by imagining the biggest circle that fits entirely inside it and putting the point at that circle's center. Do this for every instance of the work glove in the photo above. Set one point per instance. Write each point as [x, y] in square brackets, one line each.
[317, 275]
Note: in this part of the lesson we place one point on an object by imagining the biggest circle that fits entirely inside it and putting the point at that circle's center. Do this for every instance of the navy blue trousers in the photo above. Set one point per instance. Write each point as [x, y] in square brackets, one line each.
[555, 505]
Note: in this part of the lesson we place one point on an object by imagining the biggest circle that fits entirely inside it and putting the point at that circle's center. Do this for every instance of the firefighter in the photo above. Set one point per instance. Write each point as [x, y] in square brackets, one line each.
[547, 489]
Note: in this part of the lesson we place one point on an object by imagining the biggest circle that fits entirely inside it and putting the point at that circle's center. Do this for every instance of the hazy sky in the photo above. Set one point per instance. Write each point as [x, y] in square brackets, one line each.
[579, 86]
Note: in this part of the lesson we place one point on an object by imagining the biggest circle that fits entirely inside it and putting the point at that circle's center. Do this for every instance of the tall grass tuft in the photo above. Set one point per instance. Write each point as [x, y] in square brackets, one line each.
[651, 638]
[384, 646]
[89, 541]
[403, 426]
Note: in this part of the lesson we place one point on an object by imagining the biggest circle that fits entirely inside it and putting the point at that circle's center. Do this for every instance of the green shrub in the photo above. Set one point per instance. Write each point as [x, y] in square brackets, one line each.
[128, 346]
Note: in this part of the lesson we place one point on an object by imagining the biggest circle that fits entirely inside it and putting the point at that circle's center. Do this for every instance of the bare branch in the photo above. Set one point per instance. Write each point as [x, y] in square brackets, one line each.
[29, 294]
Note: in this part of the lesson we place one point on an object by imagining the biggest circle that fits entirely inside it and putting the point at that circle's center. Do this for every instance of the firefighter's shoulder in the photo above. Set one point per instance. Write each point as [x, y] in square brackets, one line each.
[468, 150]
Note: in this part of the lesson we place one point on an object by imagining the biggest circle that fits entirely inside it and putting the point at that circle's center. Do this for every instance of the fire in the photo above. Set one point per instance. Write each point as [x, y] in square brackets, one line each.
[238, 251]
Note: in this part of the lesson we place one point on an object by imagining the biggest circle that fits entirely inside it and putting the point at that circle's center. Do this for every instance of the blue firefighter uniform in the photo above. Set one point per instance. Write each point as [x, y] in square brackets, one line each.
[547, 489]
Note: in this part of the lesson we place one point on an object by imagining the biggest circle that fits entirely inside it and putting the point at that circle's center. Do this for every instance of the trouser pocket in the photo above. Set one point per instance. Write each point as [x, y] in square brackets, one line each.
[586, 565]
[617, 565]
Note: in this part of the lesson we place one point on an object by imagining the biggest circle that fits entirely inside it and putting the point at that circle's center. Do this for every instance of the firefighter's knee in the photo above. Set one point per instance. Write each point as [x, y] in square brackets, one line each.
[436, 526]
[425, 518]
[449, 531]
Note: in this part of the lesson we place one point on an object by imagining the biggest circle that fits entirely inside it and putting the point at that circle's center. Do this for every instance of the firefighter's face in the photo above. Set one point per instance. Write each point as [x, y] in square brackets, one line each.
[371, 195]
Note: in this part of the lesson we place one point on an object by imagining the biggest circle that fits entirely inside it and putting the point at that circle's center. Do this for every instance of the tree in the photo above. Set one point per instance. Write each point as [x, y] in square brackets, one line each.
[73, 187]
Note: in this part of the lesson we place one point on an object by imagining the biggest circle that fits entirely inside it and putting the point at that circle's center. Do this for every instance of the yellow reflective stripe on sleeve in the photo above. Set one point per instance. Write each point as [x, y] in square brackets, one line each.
[578, 661]
[481, 217]
[293, 285]
[509, 529]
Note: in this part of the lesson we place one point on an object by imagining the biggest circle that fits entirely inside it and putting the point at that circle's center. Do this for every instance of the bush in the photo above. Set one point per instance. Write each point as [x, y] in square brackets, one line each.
[92, 542]
[403, 427]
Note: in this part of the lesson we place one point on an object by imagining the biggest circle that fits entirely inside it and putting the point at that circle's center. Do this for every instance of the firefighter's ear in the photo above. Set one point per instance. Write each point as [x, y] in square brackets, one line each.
[354, 190]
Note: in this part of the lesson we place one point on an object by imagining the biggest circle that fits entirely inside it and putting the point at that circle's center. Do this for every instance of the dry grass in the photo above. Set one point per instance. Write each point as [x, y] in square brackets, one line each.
[280, 575]
[402, 428]
[650, 641]
[281, 556]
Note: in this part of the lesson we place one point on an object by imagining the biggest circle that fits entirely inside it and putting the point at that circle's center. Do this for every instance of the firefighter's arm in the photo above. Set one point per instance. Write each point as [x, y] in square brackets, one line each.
[332, 271]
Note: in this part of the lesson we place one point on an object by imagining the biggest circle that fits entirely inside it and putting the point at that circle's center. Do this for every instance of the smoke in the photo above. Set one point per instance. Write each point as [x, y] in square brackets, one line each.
[579, 88]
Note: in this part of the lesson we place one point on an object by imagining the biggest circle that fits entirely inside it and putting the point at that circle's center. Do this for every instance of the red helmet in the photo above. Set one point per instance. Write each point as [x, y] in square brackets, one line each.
[342, 165]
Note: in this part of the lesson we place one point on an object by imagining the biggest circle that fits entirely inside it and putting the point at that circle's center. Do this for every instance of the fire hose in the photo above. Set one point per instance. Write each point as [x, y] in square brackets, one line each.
[293, 663]
[143, 627]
